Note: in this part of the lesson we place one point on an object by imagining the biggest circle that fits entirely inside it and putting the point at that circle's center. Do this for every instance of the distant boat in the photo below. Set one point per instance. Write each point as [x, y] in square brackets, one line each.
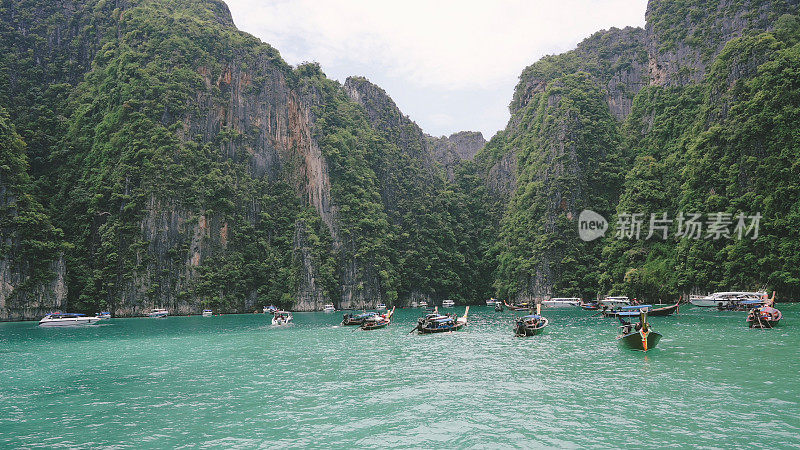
[764, 317]
[591, 305]
[67, 320]
[329, 308]
[158, 313]
[377, 321]
[531, 325]
[492, 301]
[282, 318]
[724, 299]
[438, 323]
[615, 302]
[414, 304]
[561, 302]
[519, 306]
[357, 319]
[639, 336]
[448, 303]
[423, 304]
[381, 306]
[103, 315]
[270, 309]
[660, 312]
[208, 313]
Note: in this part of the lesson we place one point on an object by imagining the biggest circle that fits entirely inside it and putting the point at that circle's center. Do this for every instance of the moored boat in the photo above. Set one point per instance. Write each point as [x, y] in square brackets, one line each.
[103, 315]
[158, 313]
[423, 304]
[561, 302]
[725, 299]
[492, 301]
[638, 336]
[356, 319]
[764, 317]
[438, 323]
[614, 302]
[518, 306]
[448, 303]
[377, 321]
[665, 310]
[282, 318]
[531, 325]
[208, 313]
[67, 320]
[591, 305]
[329, 308]
[270, 309]
[381, 306]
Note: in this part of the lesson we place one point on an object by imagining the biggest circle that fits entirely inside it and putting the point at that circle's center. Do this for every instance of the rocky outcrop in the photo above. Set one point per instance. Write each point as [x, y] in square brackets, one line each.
[682, 39]
[449, 151]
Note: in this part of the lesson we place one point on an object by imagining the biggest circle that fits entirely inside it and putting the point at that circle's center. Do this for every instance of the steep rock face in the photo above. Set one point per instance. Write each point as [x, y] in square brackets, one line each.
[31, 261]
[683, 38]
[449, 151]
[616, 59]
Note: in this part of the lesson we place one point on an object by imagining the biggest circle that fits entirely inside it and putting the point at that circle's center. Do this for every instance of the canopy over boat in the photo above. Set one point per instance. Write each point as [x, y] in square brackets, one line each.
[532, 316]
[636, 307]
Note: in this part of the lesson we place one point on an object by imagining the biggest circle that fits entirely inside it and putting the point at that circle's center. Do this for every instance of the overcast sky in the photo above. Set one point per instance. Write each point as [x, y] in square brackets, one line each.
[450, 65]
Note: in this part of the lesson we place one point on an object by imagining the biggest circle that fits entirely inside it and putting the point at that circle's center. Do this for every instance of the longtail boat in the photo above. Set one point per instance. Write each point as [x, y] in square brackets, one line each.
[377, 321]
[764, 317]
[532, 324]
[437, 323]
[518, 307]
[591, 305]
[356, 319]
[665, 311]
[640, 336]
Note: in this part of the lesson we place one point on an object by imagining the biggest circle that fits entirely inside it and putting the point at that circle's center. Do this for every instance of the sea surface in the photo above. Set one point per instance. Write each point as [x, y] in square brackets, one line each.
[237, 382]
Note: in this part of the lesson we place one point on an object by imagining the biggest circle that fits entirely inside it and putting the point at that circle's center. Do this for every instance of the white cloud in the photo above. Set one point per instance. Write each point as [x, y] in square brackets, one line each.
[453, 47]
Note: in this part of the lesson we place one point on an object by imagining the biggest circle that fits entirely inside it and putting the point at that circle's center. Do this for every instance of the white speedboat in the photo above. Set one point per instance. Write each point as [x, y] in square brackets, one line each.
[329, 308]
[448, 303]
[493, 302]
[615, 302]
[723, 299]
[561, 302]
[67, 320]
[103, 315]
[208, 313]
[158, 313]
[381, 306]
[414, 304]
[282, 318]
[423, 304]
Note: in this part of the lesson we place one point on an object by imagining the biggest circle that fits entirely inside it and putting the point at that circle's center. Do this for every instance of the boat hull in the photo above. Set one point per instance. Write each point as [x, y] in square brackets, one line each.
[69, 322]
[524, 330]
[456, 327]
[665, 311]
[373, 326]
[764, 324]
[634, 341]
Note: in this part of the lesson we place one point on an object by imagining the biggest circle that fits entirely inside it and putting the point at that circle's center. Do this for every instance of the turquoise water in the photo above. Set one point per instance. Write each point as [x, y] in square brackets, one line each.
[236, 381]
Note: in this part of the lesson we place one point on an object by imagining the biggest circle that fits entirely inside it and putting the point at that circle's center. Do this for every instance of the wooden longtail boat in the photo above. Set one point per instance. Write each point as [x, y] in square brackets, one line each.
[519, 307]
[590, 306]
[639, 336]
[437, 323]
[764, 317]
[532, 324]
[377, 321]
[356, 319]
[665, 311]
